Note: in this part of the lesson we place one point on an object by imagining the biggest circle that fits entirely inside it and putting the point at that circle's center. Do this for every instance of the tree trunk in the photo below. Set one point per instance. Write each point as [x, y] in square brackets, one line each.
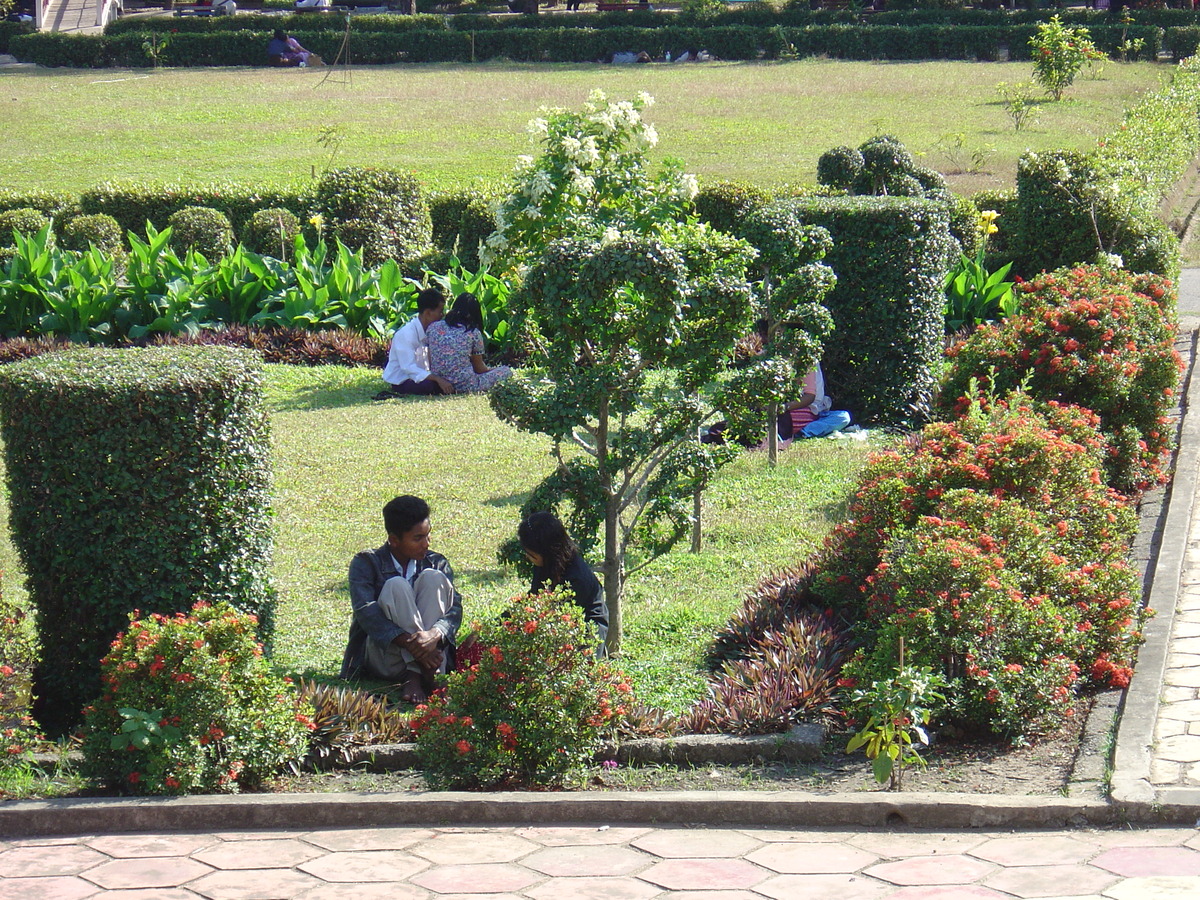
[772, 435]
[696, 521]
[614, 575]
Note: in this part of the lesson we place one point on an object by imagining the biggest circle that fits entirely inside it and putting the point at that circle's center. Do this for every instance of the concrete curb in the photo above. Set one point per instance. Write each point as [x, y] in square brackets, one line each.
[1131, 790]
[725, 808]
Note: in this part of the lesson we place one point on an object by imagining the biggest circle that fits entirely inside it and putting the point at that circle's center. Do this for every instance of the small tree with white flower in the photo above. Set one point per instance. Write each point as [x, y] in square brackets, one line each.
[638, 311]
[591, 175]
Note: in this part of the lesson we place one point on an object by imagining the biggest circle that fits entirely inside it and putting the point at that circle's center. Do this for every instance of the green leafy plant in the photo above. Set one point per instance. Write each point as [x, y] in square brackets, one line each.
[1017, 100]
[896, 712]
[973, 295]
[529, 710]
[155, 48]
[190, 705]
[1059, 53]
[19, 735]
[492, 293]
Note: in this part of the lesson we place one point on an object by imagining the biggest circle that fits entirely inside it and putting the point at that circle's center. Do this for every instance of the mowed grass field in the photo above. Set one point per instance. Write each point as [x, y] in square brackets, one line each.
[338, 457]
[456, 125]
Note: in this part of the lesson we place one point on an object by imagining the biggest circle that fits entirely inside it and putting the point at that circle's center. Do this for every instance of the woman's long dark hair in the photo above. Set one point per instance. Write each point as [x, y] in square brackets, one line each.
[543, 534]
[466, 313]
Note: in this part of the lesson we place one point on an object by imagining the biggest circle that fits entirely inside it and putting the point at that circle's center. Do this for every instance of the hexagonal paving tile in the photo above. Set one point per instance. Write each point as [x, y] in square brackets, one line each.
[268, 854]
[1159, 887]
[23, 862]
[382, 890]
[58, 887]
[891, 845]
[136, 846]
[45, 840]
[489, 878]
[367, 838]
[825, 887]
[253, 884]
[593, 889]
[932, 870]
[706, 843]
[798, 835]
[579, 835]
[1036, 850]
[472, 848]
[147, 894]
[708, 895]
[153, 872]
[1135, 862]
[812, 859]
[1046, 881]
[579, 861]
[365, 865]
[704, 874]
[1145, 837]
[948, 892]
[479, 897]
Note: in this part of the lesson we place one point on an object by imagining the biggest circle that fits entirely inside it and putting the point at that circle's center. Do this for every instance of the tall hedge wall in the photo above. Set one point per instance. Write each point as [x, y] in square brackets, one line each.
[138, 479]
[890, 255]
[133, 204]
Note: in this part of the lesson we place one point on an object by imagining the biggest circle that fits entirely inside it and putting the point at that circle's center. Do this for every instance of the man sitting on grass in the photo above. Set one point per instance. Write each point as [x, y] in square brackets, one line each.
[407, 369]
[406, 609]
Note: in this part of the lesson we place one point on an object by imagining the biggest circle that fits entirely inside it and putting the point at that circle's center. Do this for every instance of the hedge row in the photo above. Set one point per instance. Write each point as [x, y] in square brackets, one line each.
[559, 44]
[10, 29]
[753, 15]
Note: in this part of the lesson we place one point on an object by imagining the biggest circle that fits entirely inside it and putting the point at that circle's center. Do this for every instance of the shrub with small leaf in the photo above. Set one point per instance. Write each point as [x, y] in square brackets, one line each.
[272, 232]
[199, 228]
[190, 705]
[530, 710]
[100, 231]
[1059, 54]
[18, 653]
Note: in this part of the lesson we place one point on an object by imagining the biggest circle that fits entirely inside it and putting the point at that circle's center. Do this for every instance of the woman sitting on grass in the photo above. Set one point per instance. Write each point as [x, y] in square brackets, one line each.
[456, 348]
[557, 563]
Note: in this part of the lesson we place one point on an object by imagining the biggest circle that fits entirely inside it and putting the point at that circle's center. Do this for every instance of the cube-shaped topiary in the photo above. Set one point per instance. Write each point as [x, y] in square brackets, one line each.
[138, 479]
[379, 211]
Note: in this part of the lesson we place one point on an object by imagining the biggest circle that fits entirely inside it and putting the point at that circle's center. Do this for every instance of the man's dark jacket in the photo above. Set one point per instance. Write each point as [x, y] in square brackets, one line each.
[368, 571]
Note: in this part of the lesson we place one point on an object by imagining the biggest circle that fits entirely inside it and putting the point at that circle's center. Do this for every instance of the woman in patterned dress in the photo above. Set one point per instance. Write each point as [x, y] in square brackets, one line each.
[456, 348]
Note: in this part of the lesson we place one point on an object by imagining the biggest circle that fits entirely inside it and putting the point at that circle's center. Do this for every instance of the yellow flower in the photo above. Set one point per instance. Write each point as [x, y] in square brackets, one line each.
[987, 221]
[317, 221]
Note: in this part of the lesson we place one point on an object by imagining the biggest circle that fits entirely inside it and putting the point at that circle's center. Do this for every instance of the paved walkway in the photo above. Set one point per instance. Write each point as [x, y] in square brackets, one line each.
[595, 862]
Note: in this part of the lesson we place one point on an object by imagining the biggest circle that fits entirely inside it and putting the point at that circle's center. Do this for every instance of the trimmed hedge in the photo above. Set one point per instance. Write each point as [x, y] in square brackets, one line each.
[890, 255]
[138, 479]
[52, 203]
[133, 204]
[378, 211]
[8, 30]
[558, 43]
[461, 221]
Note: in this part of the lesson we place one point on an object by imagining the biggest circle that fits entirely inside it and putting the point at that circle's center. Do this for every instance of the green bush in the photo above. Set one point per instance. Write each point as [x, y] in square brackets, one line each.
[1097, 339]
[272, 232]
[99, 231]
[1005, 204]
[50, 203]
[725, 204]
[133, 204]
[529, 711]
[189, 705]
[18, 654]
[461, 221]
[890, 256]
[23, 221]
[156, 461]
[199, 228]
[383, 213]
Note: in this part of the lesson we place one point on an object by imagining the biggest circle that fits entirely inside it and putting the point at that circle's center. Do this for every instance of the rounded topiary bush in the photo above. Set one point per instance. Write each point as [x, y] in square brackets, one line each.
[200, 228]
[156, 461]
[272, 232]
[100, 231]
[724, 205]
[380, 211]
[25, 221]
[839, 167]
[462, 221]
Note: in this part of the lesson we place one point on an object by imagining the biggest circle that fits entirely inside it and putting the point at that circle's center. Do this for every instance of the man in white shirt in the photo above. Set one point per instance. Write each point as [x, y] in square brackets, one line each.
[407, 369]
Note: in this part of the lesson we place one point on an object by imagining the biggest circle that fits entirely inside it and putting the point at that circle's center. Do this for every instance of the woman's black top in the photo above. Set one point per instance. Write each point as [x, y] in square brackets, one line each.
[589, 593]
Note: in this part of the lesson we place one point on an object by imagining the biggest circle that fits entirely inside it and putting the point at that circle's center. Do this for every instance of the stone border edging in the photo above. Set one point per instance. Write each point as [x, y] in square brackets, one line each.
[1131, 791]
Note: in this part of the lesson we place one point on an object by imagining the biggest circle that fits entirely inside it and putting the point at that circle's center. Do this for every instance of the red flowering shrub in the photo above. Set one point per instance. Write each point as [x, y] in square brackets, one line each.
[1042, 455]
[18, 734]
[530, 709]
[1090, 337]
[986, 597]
[190, 705]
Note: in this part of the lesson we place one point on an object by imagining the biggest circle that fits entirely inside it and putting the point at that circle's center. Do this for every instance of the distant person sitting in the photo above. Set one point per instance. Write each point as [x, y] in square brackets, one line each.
[406, 610]
[811, 415]
[456, 348]
[283, 50]
[407, 370]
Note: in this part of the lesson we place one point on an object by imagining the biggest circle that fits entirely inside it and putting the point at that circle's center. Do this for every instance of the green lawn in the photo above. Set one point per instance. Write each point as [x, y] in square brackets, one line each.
[339, 457]
[457, 125]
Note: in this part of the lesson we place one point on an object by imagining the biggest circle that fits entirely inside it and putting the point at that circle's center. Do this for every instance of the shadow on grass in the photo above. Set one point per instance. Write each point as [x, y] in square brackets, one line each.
[510, 500]
[312, 397]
